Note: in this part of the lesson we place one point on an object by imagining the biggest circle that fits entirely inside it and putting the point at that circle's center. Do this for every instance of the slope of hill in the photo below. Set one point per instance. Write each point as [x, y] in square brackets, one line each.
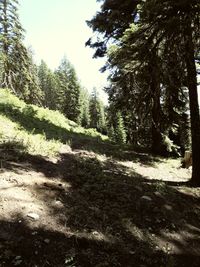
[68, 197]
[37, 130]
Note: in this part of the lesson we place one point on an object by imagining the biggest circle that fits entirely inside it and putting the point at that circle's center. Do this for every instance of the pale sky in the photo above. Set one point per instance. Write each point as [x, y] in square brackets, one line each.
[55, 28]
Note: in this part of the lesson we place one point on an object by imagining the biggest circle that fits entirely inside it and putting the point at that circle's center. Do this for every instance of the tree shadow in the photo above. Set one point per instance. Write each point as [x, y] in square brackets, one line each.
[106, 221]
[107, 217]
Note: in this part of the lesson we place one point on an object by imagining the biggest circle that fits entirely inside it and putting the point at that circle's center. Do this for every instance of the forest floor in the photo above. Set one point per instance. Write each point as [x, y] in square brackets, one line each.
[97, 207]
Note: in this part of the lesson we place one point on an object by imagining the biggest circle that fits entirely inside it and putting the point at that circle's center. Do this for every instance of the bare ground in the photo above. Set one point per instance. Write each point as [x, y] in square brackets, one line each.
[98, 210]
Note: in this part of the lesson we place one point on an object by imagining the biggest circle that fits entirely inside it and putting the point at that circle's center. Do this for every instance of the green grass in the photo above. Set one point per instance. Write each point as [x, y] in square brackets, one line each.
[38, 131]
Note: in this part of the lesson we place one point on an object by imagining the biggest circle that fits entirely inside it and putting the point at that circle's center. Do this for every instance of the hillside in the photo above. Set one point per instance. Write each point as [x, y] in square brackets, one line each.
[38, 131]
[69, 197]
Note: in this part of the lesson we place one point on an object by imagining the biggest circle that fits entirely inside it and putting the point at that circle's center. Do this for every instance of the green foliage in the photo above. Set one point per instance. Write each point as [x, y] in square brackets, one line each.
[84, 118]
[18, 71]
[49, 86]
[38, 130]
[68, 90]
[97, 112]
[120, 133]
[111, 133]
[148, 67]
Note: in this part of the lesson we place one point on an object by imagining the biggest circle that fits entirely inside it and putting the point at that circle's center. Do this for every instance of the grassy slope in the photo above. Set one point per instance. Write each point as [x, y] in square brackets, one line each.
[35, 130]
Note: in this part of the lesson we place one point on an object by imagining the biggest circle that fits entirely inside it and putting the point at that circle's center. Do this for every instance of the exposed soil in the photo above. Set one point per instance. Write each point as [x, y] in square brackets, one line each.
[96, 210]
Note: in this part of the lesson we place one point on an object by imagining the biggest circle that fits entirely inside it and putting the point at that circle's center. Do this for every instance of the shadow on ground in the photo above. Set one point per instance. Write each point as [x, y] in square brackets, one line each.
[105, 219]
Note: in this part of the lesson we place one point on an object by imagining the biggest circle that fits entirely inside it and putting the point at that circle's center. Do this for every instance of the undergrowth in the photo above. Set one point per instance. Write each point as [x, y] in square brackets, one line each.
[35, 130]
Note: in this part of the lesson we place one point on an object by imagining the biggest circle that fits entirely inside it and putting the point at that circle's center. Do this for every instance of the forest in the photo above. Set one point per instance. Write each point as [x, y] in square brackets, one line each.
[87, 183]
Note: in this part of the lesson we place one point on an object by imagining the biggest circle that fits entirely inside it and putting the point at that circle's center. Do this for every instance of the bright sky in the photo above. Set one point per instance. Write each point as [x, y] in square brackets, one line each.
[55, 28]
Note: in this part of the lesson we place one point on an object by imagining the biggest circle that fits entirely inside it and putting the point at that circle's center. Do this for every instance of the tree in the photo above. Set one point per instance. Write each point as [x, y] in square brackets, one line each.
[111, 133]
[85, 109]
[179, 22]
[32, 92]
[161, 24]
[49, 86]
[15, 58]
[69, 90]
[97, 112]
[120, 133]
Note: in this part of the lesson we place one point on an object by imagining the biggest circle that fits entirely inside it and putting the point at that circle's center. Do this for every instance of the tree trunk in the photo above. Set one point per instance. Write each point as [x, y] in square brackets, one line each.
[5, 46]
[157, 140]
[194, 106]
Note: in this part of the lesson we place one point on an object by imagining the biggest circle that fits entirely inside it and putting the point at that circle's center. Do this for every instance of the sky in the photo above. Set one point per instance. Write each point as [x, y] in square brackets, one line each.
[57, 28]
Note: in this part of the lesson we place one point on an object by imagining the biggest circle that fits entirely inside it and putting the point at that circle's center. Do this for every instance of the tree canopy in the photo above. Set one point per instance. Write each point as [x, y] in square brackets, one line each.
[151, 48]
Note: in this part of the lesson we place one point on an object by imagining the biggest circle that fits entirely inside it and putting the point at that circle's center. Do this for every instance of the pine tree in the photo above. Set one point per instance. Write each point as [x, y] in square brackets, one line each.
[32, 92]
[14, 54]
[97, 112]
[69, 90]
[49, 85]
[162, 24]
[85, 110]
[111, 133]
[120, 133]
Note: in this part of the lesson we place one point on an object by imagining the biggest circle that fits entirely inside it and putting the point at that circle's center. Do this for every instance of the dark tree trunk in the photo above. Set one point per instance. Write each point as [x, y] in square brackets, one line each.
[194, 106]
[157, 144]
[157, 140]
[5, 46]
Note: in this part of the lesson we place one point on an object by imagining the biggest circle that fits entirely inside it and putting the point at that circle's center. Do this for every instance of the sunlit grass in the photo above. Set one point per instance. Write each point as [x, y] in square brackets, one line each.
[40, 131]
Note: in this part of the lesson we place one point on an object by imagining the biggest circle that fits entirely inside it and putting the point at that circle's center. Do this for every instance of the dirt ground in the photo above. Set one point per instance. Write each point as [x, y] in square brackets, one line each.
[92, 209]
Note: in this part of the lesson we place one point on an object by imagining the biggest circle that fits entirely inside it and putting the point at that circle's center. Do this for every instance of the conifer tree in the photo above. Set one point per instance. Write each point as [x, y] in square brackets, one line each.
[85, 110]
[120, 133]
[97, 112]
[49, 85]
[16, 73]
[162, 24]
[69, 90]
[32, 92]
[111, 133]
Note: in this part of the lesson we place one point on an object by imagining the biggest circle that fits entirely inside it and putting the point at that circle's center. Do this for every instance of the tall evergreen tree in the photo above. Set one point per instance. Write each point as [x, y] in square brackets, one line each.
[49, 86]
[85, 109]
[120, 133]
[15, 58]
[69, 90]
[32, 92]
[161, 24]
[97, 112]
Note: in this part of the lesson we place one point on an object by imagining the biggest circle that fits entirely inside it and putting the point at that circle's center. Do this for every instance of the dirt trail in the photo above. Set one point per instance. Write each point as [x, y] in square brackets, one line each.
[84, 209]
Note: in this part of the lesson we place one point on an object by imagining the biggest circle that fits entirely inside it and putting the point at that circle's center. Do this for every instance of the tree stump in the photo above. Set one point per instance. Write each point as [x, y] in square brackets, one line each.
[187, 160]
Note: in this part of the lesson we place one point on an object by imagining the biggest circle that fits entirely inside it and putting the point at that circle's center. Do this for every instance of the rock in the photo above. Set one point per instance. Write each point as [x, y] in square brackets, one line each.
[47, 241]
[18, 258]
[158, 194]
[138, 188]
[146, 198]
[34, 233]
[17, 263]
[58, 203]
[33, 216]
[95, 209]
[168, 207]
